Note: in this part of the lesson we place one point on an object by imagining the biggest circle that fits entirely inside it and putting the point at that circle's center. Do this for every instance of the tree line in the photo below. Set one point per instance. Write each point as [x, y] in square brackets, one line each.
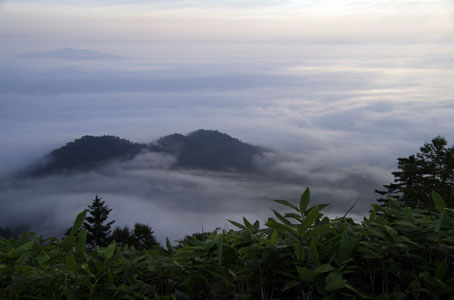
[99, 232]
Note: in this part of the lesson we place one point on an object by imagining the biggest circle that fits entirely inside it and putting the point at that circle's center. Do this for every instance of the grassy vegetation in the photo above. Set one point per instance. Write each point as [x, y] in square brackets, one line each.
[394, 253]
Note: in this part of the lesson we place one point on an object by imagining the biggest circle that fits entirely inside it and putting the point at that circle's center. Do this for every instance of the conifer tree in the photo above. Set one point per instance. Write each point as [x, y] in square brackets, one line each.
[98, 231]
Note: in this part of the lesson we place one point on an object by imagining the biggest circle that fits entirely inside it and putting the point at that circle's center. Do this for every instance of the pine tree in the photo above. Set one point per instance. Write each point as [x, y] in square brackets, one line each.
[98, 232]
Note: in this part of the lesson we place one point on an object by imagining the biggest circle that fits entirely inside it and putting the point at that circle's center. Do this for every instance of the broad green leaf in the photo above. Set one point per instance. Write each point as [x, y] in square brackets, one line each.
[325, 268]
[273, 237]
[240, 226]
[345, 249]
[68, 242]
[440, 221]
[70, 263]
[279, 226]
[42, 259]
[304, 200]
[334, 281]
[291, 284]
[288, 204]
[313, 257]
[335, 285]
[438, 201]
[25, 247]
[247, 223]
[309, 220]
[294, 216]
[256, 226]
[370, 254]
[318, 206]
[249, 226]
[306, 274]
[168, 245]
[392, 202]
[281, 217]
[372, 216]
[81, 244]
[362, 294]
[220, 246]
[78, 222]
[298, 250]
[442, 269]
[110, 250]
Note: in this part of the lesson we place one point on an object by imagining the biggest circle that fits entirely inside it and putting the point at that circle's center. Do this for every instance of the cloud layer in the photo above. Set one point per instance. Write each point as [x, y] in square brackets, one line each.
[337, 90]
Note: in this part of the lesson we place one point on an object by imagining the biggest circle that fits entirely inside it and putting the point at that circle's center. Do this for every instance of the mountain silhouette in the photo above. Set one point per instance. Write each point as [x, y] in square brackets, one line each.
[72, 54]
[201, 149]
[87, 152]
[210, 150]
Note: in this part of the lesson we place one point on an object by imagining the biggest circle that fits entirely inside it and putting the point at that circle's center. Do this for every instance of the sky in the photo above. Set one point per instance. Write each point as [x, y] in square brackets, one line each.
[337, 89]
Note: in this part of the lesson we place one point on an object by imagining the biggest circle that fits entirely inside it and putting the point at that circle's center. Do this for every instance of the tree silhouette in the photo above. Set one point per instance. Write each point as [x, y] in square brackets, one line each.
[5, 232]
[141, 237]
[98, 231]
[419, 174]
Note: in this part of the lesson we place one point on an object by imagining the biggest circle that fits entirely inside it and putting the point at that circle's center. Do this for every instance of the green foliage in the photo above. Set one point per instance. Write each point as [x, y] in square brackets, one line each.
[432, 169]
[395, 253]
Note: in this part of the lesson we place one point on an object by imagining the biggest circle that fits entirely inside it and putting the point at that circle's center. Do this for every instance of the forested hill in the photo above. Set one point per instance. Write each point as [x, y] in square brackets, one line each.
[87, 152]
[210, 150]
[201, 149]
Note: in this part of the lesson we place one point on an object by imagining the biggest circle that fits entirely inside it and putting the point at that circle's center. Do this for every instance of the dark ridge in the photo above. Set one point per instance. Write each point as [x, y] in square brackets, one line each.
[201, 149]
[72, 54]
[210, 150]
[87, 152]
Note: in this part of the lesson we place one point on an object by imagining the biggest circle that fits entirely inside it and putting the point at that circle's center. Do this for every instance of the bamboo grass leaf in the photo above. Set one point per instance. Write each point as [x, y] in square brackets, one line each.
[81, 244]
[220, 248]
[273, 238]
[70, 263]
[438, 201]
[334, 282]
[346, 246]
[306, 274]
[78, 222]
[440, 221]
[304, 200]
[281, 218]
[273, 224]
[241, 226]
[442, 269]
[110, 250]
[168, 245]
[288, 204]
[42, 259]
[298, 250]
[309, 220]
[313, 256]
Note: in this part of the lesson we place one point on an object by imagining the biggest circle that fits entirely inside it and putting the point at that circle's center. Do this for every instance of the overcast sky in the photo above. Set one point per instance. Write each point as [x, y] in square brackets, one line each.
[339, 89]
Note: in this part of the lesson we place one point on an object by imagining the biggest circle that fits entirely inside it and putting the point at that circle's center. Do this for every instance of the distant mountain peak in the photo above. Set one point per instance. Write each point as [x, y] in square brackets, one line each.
[211, 150]
[200, 149]
[72, 54]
